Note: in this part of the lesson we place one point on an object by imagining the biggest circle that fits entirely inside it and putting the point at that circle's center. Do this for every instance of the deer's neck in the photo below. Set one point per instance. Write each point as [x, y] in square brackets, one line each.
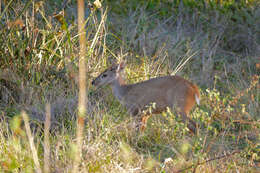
[119, 88]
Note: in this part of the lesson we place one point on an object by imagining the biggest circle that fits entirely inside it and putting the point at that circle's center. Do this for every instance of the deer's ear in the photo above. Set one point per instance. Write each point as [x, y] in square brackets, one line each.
[121, 66]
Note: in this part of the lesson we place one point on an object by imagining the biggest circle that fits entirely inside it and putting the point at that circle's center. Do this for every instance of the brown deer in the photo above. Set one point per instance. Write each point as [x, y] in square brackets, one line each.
[167, 91]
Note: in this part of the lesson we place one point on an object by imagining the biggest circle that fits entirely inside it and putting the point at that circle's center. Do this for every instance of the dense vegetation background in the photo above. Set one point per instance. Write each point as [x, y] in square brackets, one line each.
[213, 43]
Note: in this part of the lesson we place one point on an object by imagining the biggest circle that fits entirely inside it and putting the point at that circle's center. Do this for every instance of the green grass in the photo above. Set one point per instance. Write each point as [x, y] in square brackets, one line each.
[38, 64]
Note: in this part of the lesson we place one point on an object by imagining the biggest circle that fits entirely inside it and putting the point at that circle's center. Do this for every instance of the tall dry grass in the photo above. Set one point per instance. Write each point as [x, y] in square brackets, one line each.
[82, 86]
[216, 46]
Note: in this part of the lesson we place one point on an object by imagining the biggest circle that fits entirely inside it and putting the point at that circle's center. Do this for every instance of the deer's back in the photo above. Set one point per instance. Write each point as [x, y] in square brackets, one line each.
[165, 91]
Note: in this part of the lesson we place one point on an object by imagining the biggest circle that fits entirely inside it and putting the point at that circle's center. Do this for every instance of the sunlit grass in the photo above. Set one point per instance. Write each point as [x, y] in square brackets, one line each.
[39, 65]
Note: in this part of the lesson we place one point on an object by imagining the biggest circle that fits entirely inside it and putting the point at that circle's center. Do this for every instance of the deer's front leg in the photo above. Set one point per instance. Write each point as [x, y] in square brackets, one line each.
[144, 119]
[141, 117]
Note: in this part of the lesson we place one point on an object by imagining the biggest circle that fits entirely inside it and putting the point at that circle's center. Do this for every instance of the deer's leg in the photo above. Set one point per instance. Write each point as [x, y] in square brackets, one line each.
[142, 117]
[185, 107]
[190, 124]
[144, 120]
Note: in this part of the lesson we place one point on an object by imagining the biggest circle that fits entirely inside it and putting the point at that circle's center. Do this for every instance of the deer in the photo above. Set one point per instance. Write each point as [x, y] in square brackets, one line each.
[170, 91]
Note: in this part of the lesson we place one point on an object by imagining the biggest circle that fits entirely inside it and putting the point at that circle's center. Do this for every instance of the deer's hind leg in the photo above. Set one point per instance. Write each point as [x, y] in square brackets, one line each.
[190, 123]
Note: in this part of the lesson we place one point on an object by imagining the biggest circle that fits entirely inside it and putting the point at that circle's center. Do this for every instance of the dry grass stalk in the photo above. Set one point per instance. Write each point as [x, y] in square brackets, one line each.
[46, 139]
[32, 146]
[82, 85]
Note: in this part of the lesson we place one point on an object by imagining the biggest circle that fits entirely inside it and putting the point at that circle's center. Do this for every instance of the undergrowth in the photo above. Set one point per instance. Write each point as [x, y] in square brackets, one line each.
[215, 44]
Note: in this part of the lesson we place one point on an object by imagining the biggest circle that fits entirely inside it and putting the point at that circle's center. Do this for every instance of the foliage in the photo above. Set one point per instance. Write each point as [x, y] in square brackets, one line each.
[215, 44]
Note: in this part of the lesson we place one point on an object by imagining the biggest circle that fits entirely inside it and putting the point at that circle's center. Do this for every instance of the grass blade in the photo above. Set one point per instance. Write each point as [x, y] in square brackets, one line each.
[46, 139]
[32, 146]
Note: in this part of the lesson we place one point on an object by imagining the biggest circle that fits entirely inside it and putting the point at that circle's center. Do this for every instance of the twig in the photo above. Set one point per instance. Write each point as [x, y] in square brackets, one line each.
[209, 160]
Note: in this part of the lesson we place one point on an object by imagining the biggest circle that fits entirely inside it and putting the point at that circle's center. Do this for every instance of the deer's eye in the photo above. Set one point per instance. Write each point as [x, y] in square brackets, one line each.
[104, 75]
